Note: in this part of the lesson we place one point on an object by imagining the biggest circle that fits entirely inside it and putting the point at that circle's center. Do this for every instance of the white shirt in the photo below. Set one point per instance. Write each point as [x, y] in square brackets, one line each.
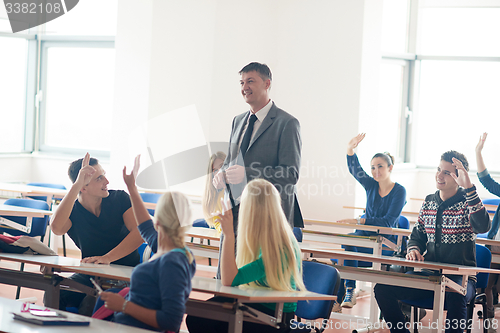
[261, 115]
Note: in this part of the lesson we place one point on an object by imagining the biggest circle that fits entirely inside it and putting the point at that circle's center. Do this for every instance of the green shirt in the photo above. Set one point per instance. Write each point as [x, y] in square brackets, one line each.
[255, 271]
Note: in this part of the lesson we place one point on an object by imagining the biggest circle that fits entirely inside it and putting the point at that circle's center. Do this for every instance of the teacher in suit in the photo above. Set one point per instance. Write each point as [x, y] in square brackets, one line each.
[265, 143]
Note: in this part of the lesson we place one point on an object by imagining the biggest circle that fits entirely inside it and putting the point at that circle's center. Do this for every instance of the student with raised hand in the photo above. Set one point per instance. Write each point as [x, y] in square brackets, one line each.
[211, 201]
[99, 221]
[384, 202]
[494, 188]
[445, 232]
[160, 287]
[267, 255]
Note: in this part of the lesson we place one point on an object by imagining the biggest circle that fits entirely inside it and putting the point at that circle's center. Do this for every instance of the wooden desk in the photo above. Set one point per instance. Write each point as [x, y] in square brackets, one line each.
[8, 324]
[406, 213]
[236, 313]
[27, 190]
[29, 213]
[439, 284]
[400, 233]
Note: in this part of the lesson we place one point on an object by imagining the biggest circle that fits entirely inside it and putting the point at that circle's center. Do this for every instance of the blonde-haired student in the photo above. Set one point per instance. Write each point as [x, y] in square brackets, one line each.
[160, 287]
[211, 200]
[268, 255]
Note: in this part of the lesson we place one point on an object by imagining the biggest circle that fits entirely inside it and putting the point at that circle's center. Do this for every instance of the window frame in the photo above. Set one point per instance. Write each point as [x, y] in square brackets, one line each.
[62, 42]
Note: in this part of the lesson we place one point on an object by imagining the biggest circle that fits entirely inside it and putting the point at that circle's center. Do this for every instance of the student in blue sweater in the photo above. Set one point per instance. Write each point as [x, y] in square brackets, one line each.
[160, 287]
[494, 188]
[384, 202]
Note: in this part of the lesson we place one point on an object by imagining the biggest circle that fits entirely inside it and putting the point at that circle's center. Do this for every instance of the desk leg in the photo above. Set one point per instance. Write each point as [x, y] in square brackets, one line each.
[374, 311]
[438, 307]
[51, 298]
[236, 322]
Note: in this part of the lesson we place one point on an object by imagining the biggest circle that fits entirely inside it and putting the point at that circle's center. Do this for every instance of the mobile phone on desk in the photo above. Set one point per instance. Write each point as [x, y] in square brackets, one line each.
[98, 287]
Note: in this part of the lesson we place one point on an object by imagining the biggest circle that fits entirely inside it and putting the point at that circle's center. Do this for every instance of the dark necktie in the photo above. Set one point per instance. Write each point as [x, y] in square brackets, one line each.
[248, 135]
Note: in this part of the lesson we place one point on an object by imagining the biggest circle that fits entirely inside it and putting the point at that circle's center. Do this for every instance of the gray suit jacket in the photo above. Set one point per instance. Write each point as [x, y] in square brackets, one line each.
[273, 154]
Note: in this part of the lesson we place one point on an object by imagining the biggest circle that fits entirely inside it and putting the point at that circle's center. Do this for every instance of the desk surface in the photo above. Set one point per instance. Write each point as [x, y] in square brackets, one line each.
[32, 190]
[8, 210]
[204, 233]
[347, 255]
[43, 260]
[8, 324]
[250, 294]
[374, 228]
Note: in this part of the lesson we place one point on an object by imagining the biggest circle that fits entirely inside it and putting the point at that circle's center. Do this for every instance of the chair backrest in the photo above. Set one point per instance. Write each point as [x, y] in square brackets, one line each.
[492, 201]
[144, 252]
[200, 223]
[319, 278]
[38, 224]
[483, 259]
[403, 223]
[150, 197]
[298, 234]
[49, 185]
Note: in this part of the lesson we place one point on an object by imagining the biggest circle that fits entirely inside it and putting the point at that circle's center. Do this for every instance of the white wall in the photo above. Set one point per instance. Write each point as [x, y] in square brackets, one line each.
[324, 56]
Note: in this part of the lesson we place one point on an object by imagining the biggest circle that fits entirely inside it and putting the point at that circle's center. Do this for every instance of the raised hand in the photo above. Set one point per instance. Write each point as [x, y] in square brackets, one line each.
[480, 144]
[354, 142]
[463, 176]
[86, 172]
[226, 218]
[130, 179]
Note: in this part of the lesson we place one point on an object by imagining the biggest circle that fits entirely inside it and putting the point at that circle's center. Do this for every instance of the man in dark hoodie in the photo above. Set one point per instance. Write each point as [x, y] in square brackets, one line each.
[445, 232]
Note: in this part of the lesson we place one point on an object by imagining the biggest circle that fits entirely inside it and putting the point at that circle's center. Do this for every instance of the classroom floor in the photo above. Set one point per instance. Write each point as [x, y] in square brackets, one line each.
[361, 308]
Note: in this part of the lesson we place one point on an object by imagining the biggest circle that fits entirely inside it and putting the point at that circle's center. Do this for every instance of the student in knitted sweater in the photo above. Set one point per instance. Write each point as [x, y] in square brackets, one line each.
[445, 232]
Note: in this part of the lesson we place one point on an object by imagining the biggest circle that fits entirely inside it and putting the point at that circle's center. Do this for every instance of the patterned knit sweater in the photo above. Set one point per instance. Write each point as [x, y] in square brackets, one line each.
[447, 230]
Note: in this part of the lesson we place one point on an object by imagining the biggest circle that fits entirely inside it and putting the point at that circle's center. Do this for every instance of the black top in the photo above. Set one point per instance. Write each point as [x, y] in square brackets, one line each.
[96, 236]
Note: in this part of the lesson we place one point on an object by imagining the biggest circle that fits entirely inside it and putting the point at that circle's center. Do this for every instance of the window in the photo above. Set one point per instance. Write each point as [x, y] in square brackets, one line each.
[458, 102]
[459, 61]
[57, 81]
[77, 85]
[13, 87]
[391, 103]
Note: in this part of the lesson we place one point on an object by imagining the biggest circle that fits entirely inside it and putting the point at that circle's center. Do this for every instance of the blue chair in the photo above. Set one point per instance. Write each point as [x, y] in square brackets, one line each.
[49, 185]
[483, 259]
[319, 278]
[145, 252]
[38, 224]
[201, 223]
[298, 234]
[44, 198]
[152, 198]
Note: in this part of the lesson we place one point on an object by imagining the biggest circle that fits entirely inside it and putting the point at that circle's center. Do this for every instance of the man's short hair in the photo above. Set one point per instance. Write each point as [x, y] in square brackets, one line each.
[262, 69]
[75, 166]
[448, 157]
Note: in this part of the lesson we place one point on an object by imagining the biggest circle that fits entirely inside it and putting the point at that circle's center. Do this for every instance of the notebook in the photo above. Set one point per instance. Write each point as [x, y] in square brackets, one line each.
[59, 319]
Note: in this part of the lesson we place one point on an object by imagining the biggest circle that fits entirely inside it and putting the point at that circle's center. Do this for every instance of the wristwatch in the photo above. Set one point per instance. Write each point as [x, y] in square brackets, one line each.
[358, 219]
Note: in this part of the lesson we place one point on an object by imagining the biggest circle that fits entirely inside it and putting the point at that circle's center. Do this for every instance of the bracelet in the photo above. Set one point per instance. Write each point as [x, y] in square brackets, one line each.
[470, 189]
[124, 306]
